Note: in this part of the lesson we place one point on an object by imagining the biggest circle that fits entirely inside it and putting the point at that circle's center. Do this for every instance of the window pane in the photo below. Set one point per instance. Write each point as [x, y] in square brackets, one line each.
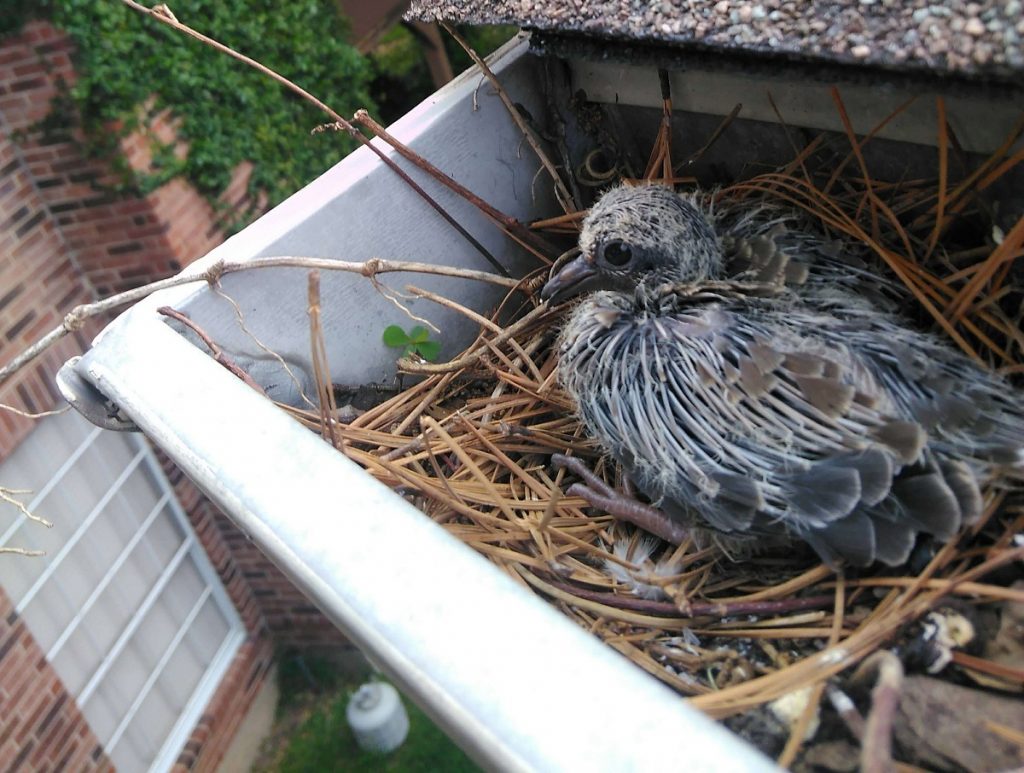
[79, 490]
[181, 595]
[102, 713]
[136, 497]
[112, 612]
[20, 575]
[101, 589]
[46, 448]
[195, 653]
[126, 677]
[113, 452]
[162, 539]
[167, 614]
[48, 614]
[208, 632]
[78, 660]
[151, 725]
[90, 558]
[128, 757]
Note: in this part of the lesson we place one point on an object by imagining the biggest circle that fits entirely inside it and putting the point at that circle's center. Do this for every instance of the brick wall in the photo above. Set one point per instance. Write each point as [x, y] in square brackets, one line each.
[39, 282]
[41, 727]
[67, 239]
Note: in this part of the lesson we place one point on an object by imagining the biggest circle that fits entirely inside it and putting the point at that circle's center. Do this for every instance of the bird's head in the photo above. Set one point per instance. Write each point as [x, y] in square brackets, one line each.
[647, 233]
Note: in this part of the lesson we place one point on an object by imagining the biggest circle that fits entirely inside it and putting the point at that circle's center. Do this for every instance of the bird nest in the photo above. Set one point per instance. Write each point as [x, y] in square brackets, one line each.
[471, 443]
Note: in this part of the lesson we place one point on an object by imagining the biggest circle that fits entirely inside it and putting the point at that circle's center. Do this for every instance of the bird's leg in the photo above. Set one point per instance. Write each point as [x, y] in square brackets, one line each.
[626, 508]
[876, 742]
[648, 518]
[628, 489]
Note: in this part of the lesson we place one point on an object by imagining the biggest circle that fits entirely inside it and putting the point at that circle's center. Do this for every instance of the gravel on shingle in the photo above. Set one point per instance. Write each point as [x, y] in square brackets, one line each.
[982, 39]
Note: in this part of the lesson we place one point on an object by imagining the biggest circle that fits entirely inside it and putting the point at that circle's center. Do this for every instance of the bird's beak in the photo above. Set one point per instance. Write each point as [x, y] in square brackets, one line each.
[572, 278]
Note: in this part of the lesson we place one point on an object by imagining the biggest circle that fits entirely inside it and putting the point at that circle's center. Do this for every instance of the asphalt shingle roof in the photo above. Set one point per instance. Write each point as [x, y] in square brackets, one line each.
[975, 39]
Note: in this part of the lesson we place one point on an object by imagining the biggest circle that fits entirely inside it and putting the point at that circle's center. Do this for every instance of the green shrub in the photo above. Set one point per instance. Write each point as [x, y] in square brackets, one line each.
[229, 113]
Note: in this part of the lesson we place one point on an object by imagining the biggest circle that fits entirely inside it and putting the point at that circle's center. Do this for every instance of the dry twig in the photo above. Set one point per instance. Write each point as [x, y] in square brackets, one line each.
[163, 14]
[74, 319]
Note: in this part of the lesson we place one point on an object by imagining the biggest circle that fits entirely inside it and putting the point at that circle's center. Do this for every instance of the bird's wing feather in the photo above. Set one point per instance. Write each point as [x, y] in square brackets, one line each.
[775, 244]
[968, 412]
[716, 404]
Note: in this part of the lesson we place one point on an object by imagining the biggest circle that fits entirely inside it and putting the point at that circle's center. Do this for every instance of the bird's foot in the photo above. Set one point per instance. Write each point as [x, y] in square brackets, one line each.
[626, 508]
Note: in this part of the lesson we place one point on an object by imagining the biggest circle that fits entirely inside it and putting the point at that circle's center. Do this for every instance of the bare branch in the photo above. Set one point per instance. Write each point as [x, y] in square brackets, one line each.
[565, 198]
[7, 495]
[30, 415]
[328, 409]
[215, 350]
[393, 296]
[369, 268]
[529, 240]
[240, 320]
[163, 14]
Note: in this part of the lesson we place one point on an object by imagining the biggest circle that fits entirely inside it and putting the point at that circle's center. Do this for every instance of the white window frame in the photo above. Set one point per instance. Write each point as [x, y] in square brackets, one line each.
[190, 547]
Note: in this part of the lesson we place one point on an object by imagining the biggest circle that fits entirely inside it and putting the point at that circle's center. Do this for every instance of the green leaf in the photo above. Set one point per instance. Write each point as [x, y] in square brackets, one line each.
[428, 349]
[418, 334]
[395, 336]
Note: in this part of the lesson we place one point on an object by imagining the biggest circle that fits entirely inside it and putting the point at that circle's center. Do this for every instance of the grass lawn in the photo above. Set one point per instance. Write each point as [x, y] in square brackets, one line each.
[313, 735]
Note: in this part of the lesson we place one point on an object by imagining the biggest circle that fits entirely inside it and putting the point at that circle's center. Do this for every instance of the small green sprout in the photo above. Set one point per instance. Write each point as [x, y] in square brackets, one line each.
[416, 341]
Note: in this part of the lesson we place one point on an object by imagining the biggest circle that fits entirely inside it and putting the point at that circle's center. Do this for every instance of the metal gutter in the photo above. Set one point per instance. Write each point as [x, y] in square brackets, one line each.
[713, 85]
[518, 686]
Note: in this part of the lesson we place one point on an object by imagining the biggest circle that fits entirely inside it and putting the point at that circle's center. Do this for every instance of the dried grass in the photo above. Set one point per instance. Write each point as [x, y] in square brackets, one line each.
[471, 444]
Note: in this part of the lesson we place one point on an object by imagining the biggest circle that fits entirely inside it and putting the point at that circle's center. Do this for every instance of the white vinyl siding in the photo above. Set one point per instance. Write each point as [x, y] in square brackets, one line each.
[125, 602]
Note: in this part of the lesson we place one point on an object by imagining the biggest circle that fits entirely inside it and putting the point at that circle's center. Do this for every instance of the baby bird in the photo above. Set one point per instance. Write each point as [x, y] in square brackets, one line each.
[762, 412]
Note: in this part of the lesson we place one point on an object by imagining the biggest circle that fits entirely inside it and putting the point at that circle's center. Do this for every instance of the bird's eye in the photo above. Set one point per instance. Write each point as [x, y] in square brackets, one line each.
[617, 254]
